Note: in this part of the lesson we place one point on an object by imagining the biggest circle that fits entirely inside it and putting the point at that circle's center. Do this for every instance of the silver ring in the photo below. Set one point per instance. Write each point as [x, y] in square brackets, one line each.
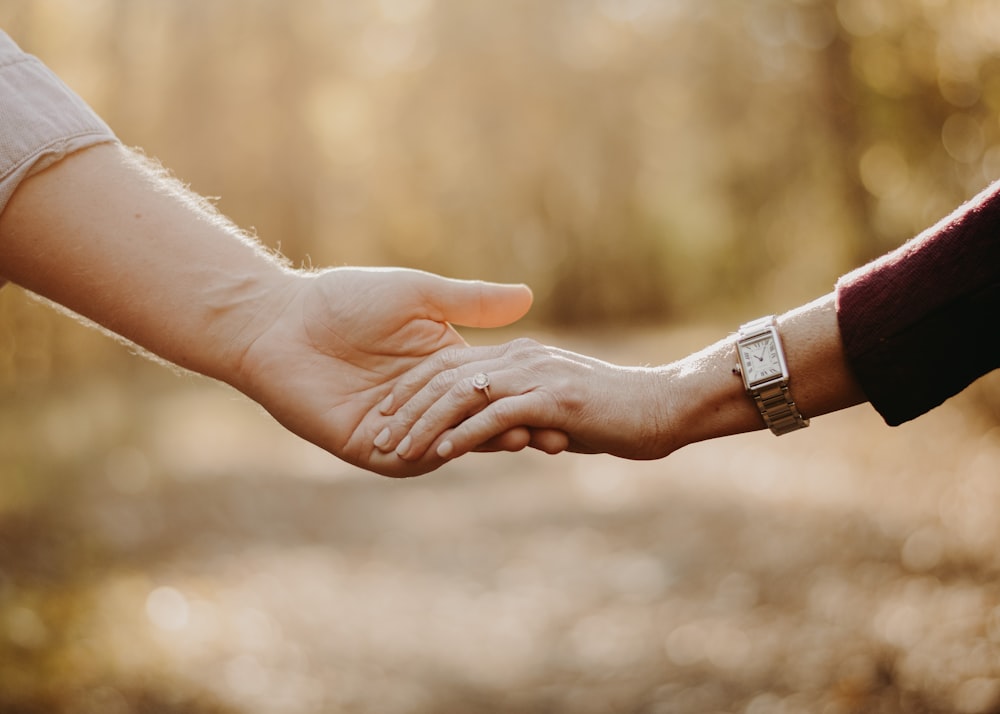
[481, 381]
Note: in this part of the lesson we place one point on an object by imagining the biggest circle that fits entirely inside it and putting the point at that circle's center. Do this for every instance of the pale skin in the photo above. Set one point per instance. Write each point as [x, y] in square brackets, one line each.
[111, 237]
[631, 412]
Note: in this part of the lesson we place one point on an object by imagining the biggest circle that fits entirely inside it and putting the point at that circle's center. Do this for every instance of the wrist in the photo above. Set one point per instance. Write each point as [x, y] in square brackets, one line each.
[703, 398]
[764, 370]
[239, 308]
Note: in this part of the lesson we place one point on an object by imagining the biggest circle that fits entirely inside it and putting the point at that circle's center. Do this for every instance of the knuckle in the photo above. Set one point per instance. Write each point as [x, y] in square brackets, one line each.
[453, 356]
[443, 359]
[418, 428]
[442, 381]
[525, 344]
[439, 361]
[502, 412]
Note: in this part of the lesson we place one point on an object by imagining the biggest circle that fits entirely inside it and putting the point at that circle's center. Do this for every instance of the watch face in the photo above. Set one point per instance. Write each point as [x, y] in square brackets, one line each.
[760, 360]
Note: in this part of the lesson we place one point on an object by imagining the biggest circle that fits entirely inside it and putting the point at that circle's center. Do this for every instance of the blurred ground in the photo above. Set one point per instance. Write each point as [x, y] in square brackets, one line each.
[165, 547]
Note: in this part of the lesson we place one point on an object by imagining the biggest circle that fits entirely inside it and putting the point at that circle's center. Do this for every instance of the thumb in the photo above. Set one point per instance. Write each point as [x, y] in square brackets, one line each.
[474, 303]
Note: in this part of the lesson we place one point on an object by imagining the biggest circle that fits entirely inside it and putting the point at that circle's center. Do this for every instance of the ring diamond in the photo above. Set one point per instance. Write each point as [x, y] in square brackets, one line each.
[481, 381]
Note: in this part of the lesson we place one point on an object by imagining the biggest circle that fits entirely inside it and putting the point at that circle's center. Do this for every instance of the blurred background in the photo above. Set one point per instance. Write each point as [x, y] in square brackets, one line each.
[658, 171]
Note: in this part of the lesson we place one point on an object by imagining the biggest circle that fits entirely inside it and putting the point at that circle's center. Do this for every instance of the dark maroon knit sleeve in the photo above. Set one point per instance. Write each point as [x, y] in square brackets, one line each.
[923, 322]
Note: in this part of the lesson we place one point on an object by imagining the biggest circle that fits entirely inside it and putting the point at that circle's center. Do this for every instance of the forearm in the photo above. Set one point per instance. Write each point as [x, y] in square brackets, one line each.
[111, 238]
[703, 398]
[633, 412]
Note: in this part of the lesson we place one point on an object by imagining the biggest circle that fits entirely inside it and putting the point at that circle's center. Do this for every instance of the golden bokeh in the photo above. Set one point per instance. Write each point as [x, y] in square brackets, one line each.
[656, 170]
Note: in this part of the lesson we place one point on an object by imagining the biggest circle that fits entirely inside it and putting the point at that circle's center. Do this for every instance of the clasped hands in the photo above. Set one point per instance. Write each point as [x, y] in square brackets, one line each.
[366, 364]
[362, 362]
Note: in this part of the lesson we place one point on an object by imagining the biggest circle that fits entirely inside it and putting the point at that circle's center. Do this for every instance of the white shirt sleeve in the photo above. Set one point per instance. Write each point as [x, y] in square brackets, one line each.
[41, 119]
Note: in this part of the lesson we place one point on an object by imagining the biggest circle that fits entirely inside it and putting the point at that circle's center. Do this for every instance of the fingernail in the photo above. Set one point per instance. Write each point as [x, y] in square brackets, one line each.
[404, 446]
[444, 449]
[385, 405]
[382, 439]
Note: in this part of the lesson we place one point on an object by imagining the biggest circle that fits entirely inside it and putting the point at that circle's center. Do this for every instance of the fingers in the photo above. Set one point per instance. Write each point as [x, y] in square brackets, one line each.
[551, 441]
[499, 417]
[389, 464]
[442, 392]
[446, 401]
[475, 303]
[514, 439]
[432, 378]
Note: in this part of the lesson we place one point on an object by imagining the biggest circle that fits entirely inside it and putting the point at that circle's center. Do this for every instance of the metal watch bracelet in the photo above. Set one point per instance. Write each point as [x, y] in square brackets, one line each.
[778, 409]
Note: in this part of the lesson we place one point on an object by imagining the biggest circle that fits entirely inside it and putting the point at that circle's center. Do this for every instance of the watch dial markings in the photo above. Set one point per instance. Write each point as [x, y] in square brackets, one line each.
[761, 360]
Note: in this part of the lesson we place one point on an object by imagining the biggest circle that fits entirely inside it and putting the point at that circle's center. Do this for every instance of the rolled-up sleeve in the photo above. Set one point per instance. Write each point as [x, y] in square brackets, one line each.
[41, 119]
[923, 322]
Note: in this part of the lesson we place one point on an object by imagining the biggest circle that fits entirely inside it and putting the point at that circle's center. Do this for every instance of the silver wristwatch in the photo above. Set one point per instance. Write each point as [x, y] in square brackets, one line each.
[765, 375]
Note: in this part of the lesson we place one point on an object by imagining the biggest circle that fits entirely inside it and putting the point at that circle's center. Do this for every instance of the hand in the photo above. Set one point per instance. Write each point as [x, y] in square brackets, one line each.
[108, 235]
[600, 407]
[335, 342]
